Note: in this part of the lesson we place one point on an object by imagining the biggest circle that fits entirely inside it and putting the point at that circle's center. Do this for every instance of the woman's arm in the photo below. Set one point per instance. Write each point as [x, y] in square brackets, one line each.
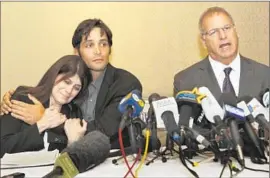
[17, 136]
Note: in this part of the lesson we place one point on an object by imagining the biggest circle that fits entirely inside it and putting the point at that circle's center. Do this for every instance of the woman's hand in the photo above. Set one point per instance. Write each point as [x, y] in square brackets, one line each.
[74, 129]
[51, 119]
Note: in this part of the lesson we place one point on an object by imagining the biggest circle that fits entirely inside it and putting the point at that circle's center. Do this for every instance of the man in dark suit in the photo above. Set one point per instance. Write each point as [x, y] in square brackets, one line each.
[92, 40]
[224, 69]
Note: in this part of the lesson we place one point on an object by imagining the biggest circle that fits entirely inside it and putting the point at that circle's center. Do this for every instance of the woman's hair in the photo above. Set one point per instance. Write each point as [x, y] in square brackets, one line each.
[68, 65]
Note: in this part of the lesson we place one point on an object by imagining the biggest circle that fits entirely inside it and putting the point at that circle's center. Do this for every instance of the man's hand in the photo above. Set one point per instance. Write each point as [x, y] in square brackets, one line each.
[74, 130]
[6, 104]
[29, 113]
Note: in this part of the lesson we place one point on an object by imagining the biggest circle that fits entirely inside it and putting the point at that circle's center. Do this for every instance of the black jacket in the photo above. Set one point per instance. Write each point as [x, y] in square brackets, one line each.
[18, 136]
[117, 83]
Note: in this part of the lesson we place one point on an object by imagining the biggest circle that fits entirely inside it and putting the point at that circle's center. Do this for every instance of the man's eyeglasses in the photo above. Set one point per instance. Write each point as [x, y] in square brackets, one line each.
[214, 31]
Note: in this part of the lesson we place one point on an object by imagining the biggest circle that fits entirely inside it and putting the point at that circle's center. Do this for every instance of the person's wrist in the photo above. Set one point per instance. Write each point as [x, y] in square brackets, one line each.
[42, 125]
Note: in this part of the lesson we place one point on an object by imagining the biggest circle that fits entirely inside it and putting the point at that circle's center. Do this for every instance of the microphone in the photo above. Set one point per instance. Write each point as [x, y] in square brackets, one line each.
[81, 155]
[189, 105]
[131, 106]
[231, 114]
[260, 113]
[265, 98]
[248, 128]
[212, 110]
[167, 111]
[171, 126]
[152, 123]
[198, 137]
[243, 105]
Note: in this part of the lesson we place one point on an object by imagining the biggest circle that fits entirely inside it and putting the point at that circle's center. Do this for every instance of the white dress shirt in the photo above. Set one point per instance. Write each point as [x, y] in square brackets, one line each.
[218, 69]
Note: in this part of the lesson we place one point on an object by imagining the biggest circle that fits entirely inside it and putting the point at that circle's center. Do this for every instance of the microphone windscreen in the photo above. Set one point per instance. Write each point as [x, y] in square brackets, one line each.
[89, 151]
[153, 97]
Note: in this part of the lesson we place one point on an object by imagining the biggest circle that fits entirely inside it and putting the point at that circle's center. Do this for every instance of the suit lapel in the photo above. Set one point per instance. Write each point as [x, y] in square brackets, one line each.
[245, 76]
[102, 94]
[209, 79]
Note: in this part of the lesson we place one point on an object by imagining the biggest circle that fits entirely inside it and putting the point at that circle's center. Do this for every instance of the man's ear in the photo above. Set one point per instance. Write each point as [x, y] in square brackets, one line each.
[202, 39]
[76, 51]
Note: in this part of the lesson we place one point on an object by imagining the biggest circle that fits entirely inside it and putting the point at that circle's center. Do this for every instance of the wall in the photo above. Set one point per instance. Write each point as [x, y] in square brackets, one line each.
[153, 40]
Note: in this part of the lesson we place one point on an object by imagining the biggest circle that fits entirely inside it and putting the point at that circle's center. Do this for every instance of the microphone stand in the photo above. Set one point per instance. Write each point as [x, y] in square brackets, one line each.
[169, 147]
[136, 137]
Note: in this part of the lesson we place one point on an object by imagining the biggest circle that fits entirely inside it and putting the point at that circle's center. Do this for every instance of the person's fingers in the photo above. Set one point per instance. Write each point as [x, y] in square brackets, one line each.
[6, 100]
[5, 108]
[15, 108]
[18, 116]
[19, 112]
[63, 118]
[34, 99]
[11, 92]
[84, 124]
[19, 103]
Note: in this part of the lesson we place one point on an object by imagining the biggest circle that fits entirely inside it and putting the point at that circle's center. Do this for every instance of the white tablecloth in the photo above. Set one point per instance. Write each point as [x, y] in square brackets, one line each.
[172, 168]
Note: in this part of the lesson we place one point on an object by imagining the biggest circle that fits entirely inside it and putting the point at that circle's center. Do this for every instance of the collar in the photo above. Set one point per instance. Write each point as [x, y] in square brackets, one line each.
[218, 67]
[97, 83]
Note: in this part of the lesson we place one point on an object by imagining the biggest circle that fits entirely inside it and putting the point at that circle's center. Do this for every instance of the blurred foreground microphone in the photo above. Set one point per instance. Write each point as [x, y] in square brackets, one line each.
[189, 105]
[260, 113]
[131, 106]
[166, 109]
[233, 116]
[212, 110]
[82, 155]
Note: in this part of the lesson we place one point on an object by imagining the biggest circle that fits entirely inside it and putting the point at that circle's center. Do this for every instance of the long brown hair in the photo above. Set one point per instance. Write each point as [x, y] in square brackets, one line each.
[68, 65]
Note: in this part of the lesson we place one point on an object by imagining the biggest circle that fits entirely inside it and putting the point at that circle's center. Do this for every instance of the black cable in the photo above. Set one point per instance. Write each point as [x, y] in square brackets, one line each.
[221, 173]
[259, 170]
[182, 159]
[21, 167]
[230, 167]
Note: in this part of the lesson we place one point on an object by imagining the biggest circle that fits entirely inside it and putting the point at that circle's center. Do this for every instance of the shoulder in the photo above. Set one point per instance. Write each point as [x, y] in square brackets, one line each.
[256, 65]
[191, 70]
[125, 78]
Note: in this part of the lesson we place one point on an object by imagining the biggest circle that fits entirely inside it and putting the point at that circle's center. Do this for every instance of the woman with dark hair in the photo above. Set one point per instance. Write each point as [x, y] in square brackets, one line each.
[62, 88]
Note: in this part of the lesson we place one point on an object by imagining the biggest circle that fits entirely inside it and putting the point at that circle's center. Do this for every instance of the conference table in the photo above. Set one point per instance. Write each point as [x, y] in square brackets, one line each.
[172, 168]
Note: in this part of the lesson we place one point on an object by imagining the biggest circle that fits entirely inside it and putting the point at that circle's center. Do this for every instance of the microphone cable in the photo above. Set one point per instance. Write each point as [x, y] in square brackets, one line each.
[145, 152]
[21, 167]
[120, 138]
[181, 155]
[257, 170]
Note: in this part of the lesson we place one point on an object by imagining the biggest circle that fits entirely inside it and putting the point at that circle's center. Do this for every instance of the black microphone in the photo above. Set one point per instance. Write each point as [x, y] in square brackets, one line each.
[167, 110]
[233, 116]
[189, 105]
[131, 106]
[171, 126]
[248, 128]
[195, 135]
[152, 122]
[81, 155]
